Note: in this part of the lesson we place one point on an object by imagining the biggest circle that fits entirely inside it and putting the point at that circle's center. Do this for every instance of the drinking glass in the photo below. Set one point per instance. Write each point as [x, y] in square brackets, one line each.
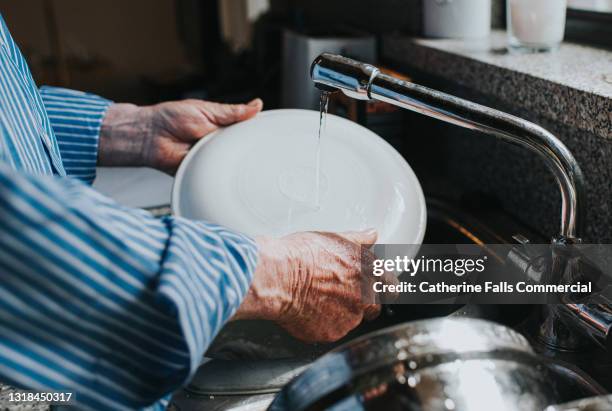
[535, 25]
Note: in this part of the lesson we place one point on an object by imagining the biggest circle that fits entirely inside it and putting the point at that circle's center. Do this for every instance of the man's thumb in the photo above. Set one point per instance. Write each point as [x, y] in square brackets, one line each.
[366, 237]
[226, 114]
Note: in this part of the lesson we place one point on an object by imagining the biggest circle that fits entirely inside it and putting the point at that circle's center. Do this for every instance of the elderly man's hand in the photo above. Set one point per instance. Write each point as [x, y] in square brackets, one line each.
[160, 136]
[311, 284]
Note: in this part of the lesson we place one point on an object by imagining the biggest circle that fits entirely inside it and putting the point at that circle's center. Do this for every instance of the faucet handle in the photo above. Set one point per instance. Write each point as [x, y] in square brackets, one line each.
[530, 259]
[573, 317]
[520, 238]
[589, 316]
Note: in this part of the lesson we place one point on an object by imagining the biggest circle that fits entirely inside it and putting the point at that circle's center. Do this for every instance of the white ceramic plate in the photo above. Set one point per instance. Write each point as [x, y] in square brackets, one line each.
[259, 177]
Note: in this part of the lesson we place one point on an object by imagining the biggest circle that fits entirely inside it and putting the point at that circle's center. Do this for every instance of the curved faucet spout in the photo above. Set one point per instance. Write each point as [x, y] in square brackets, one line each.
[364, 81]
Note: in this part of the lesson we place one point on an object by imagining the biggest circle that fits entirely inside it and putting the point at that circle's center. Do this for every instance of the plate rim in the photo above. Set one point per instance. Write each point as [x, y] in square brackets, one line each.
[178, 178]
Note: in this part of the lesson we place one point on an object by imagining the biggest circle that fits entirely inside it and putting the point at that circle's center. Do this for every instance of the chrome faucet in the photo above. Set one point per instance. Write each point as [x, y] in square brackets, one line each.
[365, 82]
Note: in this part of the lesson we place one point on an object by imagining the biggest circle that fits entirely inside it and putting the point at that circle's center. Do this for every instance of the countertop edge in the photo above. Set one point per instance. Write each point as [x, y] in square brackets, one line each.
[576, 107]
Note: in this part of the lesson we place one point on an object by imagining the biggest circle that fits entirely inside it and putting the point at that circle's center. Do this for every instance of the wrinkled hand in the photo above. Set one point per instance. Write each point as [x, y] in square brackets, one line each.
[160, 136]
[311, 284]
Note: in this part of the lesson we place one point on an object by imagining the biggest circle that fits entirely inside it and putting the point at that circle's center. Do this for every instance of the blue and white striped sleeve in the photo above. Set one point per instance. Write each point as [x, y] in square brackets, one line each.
[76, 118]
[106, 301]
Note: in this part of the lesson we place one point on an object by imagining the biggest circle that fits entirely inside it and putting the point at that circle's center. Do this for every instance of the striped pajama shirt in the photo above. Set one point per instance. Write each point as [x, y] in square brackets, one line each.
[98, 299]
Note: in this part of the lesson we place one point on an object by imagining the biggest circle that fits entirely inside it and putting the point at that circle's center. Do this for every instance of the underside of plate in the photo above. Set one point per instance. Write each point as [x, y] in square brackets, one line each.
[271, 175]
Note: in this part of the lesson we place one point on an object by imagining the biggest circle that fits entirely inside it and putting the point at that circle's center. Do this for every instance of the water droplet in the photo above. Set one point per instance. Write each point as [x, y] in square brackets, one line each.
[412, 365]
[449, 404]
[402, 343]
[413, 380]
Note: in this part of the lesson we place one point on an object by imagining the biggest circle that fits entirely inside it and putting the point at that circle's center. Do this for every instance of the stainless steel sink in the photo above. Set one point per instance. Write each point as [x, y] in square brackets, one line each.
[251, 360]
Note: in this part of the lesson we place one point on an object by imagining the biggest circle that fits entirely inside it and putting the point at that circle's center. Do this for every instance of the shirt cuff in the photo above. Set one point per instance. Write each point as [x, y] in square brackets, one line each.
[206, 273]
[76, 118]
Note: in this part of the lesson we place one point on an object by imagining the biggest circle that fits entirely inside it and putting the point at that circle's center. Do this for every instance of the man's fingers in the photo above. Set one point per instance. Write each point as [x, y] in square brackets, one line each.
[256, 102]
[367, 237]
[371, 312]
[389, 279]
[226, 114]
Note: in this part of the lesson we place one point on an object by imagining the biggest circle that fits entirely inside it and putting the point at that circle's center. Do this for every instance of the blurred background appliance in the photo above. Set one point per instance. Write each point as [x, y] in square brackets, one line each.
[457, 18]
[300, 49]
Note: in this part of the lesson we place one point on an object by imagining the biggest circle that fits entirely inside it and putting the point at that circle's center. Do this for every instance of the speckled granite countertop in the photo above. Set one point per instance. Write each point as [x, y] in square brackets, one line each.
[572, 85]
